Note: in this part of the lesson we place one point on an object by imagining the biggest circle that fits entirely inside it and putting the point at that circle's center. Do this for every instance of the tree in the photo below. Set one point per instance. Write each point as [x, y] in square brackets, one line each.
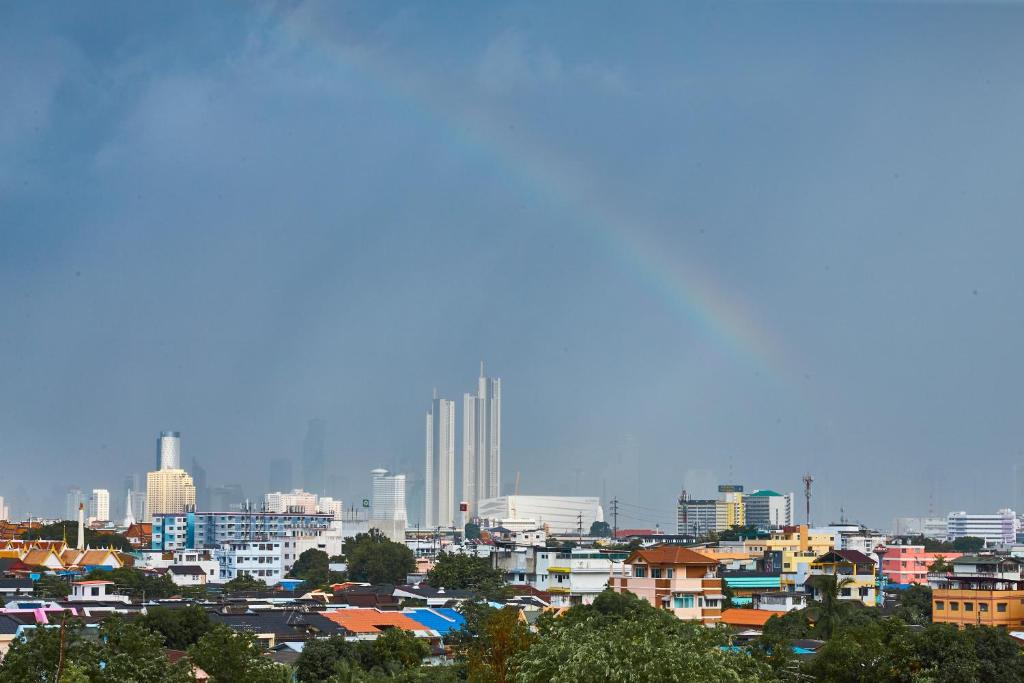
[940, 566]
[625, 638]
[51, 587]
[133, 653]
[914, 605]
[826, 611]
[136, 583]
[243, 583]
[229, 656]
[374, 559]
[466, 572]
[393, 652]
[601, 529]
[472, 531]
[180, 628]
[37, 656]
[501, 636]
[313, 567]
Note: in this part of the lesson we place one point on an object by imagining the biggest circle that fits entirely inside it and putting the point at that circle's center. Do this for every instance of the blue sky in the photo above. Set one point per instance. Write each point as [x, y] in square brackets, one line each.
[752, 238]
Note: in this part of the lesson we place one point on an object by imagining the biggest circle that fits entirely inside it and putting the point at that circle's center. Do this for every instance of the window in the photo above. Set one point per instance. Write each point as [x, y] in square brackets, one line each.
[845, 592]
[940, 605]
[683, 601]
[968, 606]
[669, 572]
[655, 572]
[982, 606]
[865, 591]
[639, 572]
[1000, 606]
[954, 606]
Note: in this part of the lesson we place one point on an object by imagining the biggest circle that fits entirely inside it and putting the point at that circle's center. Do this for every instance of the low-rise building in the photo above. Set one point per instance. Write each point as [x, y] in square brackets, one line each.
[259, 560]
[855, 572]
[909, 564]
[982, 590]
[673, 578]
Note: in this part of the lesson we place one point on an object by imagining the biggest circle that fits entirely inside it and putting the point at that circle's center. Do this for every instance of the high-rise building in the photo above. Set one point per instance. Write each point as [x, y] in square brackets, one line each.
[5, 512]
[99, 505]
[697, 516]
[202, 490]
[314, 447]
[388, 495]
[169, 491]
[440, 467]
[767, 509]
[995, 529]
[227, 498]
[481, 442]
[72, 500]
[168, 451]
[280, 472]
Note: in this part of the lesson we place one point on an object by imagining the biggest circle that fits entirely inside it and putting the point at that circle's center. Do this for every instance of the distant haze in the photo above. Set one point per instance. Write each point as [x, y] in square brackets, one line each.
[705, 242]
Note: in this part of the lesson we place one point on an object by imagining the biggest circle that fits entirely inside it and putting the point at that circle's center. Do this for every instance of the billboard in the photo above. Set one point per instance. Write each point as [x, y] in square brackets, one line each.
[730, 488]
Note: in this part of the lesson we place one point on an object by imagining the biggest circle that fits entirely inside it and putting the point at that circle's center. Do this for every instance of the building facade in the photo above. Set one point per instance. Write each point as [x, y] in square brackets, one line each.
[169, 491]
[697, 517]
[908, 564]
[767, 509]
[99, 505]
[481, 442]
[295, 500]
[995, 529]
[981, 591]
[440, 464]
[556, 514]
[209, 530]
[675, 579]
[168, 451]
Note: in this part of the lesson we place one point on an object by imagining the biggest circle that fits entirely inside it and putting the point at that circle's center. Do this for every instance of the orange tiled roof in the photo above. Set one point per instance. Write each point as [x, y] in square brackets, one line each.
[91, 557]
[38, 556]
[372, 620]
[670, 554]
[747, 617]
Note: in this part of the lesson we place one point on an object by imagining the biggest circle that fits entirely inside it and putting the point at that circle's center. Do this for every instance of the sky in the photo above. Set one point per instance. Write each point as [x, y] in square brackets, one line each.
[699, 243]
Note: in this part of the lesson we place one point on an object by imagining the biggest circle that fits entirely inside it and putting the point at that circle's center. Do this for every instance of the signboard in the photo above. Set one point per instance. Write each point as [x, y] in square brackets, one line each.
[730, 488]
[463, 506]
[366, 502]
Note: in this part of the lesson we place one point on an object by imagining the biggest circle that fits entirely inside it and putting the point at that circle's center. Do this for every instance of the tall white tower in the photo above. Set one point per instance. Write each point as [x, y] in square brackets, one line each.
[388, 495]
[168, 451]
[481, 442]
[440, 464]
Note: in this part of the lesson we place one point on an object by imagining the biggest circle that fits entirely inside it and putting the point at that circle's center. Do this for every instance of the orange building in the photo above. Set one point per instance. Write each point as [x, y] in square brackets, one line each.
[981, 591]
[674, 578]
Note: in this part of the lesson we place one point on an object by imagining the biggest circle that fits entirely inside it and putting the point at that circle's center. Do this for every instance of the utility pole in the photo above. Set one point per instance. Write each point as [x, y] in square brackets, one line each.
[579, 525]
[808, 480]
[615, 518]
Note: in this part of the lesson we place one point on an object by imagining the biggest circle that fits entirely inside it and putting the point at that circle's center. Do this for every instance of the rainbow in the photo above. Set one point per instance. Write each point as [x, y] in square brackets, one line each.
[686, 288]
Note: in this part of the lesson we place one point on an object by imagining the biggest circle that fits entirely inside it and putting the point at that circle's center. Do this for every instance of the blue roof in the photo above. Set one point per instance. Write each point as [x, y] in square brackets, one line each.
[440, 619]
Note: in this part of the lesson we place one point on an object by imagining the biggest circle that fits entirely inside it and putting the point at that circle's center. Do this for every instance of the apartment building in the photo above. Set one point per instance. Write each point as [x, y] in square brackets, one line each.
[856, 572]
[673, 578]
[908, 564]
[982, 590]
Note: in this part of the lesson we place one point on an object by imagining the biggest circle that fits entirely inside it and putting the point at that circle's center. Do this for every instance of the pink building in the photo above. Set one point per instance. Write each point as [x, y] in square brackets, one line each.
[673, 578]
[907, 564]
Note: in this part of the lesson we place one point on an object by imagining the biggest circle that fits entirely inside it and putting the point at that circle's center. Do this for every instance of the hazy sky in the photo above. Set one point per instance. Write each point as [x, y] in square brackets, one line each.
[756, 239]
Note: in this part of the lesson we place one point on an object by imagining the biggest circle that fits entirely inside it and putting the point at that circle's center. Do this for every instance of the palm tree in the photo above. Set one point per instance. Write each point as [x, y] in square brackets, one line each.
[826, 612]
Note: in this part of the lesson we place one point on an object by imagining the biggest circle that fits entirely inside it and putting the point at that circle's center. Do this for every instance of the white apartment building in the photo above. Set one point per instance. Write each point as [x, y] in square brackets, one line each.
[296, 500]
[261, 560]
[169, 491]
[99, 505]
[995, 529]
[557, 514]
[767, 509]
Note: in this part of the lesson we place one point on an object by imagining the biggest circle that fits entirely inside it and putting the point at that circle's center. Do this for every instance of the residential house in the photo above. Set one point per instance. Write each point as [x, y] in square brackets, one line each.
[673, 578]
[908, 564]
[982, 590]
[855, 572]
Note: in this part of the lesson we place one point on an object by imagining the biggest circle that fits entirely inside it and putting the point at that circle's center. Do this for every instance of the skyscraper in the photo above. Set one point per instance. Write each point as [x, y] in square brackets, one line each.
[73, 499]
[202, 491]
[168, 451]
[440, 466]
[5, 512]
[280, 478]
[481, 442]
[313, 449]
[169, 490]
[99, 505]
[388, 495]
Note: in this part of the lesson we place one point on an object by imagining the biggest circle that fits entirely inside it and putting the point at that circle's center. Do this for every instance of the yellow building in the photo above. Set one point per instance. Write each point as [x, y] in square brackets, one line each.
[856, 573]
[729, 510]
[169, 491]
[982, 590]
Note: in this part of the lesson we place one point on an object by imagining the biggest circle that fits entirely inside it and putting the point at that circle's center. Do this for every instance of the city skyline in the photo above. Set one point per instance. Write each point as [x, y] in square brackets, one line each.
[762, 239]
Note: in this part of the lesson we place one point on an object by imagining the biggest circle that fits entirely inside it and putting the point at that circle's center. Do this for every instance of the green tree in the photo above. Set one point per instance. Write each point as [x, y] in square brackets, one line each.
[374, 559]
[319, 659]
[51, 587]
[914, 605]
[243, 583]
[133, 653]
[472, 531]
[229, 656]
[828, 608]
[37, 657]
[500, 637]
[461, 572]
[601, 529]
[313, 567]
[137, 584]
[180, 628]
[940, 566]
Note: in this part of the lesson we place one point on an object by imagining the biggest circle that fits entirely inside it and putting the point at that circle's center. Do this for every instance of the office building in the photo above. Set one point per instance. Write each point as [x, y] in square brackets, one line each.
[227, 497]
[929, 527]
[387, 509]
[440, 464]
[72, 501]
[326, 505]
[5, 512]
[997, 528]
[99, 506]
[169, 491]
[202, 490]
[314, 456]
[555, 514]
[697, 516]
[481, 442]
[168, 451]
[767, 509]
[295, 500]
[280, 475]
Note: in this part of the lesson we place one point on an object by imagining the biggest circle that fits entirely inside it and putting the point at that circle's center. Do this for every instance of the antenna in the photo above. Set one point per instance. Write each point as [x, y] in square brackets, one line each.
[808, 480]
